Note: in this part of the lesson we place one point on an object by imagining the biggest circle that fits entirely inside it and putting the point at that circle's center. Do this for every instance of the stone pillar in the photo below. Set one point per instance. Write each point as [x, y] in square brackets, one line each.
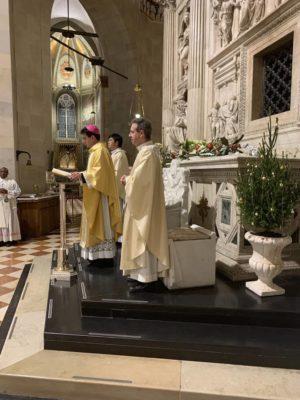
[196, 77]
[168, 67]
[7, 148]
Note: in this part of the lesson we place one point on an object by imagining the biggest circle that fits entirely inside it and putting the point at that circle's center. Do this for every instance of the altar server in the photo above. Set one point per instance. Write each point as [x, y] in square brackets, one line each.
[145, 253]
[119, 160]
[9, 222]
[101, 223]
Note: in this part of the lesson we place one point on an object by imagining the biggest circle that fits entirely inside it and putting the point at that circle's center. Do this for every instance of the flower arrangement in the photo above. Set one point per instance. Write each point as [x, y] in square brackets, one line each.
[201, 148]
[214, 147]
[267, 191]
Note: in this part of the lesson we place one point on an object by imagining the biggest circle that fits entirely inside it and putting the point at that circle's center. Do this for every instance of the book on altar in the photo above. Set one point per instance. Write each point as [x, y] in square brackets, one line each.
[60, 172]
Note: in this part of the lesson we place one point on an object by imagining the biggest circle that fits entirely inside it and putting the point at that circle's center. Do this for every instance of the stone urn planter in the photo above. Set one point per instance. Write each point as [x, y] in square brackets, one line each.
[266, 262]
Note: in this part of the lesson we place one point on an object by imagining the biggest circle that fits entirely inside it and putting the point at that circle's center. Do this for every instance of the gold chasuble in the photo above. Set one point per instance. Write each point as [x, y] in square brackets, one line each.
[145, 253]
[101, 215]
[121, 167]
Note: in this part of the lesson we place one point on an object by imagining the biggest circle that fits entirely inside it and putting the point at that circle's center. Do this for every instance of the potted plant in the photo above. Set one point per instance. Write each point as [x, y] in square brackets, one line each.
[267, 194]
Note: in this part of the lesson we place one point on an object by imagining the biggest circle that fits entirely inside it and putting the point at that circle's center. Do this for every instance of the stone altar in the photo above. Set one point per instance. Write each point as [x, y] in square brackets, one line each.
[214, 179]
[218, 84]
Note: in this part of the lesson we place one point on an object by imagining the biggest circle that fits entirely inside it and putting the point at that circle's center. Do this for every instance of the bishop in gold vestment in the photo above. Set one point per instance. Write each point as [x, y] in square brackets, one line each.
[145, 253]
[101, 223]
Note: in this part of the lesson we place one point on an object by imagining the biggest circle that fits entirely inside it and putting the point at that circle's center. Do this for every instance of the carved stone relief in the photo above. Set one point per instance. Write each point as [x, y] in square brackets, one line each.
[177, 133]
[248, 13]
[252, 11]
[183, 43]
[224, 119]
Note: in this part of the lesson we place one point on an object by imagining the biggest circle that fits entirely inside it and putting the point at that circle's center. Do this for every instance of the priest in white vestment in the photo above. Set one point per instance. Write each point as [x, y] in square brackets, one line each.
[101, 222]
[145, 252]
[9, 221]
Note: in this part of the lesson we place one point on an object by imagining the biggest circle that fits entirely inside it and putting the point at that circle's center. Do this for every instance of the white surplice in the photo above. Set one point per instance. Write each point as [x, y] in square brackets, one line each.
[9, 221]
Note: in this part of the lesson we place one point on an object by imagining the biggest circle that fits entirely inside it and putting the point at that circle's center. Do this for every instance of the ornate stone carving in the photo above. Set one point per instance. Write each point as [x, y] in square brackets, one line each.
[176, 183]
[222, 16]
[183, 43]
[173, 137]
[229, 114]
[277, 3]
[223, 11]
[167, 3]
[252, 11]
[226, 20]
[224, 119]
[215, 121]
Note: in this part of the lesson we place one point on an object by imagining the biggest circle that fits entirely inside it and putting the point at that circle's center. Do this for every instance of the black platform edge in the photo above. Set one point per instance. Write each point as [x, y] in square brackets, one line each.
[214, 315]
[137, 309]
[9, 315]
[212, 354]
[66, 330]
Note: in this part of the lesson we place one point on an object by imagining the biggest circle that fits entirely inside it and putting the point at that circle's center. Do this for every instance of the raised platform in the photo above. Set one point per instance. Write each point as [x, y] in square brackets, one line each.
[225, 323]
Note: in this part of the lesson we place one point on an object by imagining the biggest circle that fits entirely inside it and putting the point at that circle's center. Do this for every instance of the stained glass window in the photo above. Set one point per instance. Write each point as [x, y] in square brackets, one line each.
[66, 117]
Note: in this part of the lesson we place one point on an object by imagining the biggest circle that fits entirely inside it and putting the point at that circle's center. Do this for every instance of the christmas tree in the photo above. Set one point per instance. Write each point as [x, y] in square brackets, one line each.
[267, 191]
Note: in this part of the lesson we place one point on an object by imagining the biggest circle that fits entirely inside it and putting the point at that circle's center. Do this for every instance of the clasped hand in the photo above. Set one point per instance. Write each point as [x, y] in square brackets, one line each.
[123, 180]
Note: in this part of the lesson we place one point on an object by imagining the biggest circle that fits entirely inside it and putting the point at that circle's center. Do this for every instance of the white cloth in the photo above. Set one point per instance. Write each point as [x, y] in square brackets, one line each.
[105, 249]
[193, 262]
[9, 221]
[150, 268]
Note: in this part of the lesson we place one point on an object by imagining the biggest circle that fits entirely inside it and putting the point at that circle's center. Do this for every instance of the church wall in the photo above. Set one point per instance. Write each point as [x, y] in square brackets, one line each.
[128, 38]
[7, 148]
[115, 22]
[222, 86]
[32, 78]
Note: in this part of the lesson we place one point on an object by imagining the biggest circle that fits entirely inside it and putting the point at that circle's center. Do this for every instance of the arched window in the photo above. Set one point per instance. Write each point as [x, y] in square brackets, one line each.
[66, 117]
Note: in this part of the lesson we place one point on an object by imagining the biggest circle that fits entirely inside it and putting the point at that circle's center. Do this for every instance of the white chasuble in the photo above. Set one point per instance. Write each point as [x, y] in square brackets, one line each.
[145, 252]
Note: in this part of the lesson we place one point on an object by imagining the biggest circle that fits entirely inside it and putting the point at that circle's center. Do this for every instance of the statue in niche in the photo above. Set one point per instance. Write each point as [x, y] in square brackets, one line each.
[183, 48]
[180, 102]
[260, 8]
[226, 20]
[216, 6]
[229, 115]
[216, 122]
[252, 11]
[174, 136]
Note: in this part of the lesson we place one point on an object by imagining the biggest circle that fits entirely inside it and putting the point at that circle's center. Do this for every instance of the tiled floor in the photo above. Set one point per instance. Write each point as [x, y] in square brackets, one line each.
[13, 259]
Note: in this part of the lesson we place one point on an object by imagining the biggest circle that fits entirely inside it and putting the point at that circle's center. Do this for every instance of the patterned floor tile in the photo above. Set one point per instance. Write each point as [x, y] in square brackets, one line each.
[26, 257]
[8, 270]
[3, 291]
[6, 298]
[11, 262]
[11, 285]
[6, 279]
[3, 307]
[13, 259]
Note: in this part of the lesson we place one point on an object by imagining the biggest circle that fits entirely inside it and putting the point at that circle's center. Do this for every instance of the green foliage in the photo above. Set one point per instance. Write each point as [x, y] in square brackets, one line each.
[267, 191]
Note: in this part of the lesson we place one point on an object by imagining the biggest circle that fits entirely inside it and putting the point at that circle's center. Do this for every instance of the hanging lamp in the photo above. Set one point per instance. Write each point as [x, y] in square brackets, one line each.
[137, 106]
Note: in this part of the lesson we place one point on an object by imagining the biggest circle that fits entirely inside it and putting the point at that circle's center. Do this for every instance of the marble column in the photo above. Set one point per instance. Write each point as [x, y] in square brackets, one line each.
[168, 67]
[7, 147]
[196, 77]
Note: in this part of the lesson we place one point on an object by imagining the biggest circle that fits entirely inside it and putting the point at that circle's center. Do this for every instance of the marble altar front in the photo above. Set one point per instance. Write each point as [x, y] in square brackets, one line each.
[213, 178]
